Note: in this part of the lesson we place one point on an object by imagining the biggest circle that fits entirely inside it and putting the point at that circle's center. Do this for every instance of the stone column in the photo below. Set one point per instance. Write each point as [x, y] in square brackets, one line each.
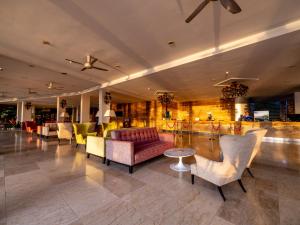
[102, 108]
[59, 109]
[25, 113]
[85, 108]
[19, 111]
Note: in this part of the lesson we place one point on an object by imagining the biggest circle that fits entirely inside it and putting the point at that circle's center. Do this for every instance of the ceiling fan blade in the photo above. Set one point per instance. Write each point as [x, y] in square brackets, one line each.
[83, 69]
[72, 61]
[197, 11]
[231, 6]
[93, 60]
[98, 68]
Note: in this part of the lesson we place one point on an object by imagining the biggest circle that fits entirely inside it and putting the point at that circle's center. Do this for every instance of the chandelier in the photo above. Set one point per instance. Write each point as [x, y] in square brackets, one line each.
[234, 90]
[165, 98]
[227, 103]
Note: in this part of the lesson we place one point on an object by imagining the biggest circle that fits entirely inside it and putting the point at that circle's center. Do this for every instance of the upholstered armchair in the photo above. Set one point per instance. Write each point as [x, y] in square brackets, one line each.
[107, 127]
[82, 130]
[65, 131]
[49, 129]
[30, 126]
[236, 155]
[259, 133]
[95, 146]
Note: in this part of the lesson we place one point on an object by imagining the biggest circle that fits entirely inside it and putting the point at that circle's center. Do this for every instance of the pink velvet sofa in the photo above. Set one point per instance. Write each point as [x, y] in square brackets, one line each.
[133, 146]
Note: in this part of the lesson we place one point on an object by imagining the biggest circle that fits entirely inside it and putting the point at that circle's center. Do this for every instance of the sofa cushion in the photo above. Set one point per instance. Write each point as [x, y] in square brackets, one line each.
[150, 150]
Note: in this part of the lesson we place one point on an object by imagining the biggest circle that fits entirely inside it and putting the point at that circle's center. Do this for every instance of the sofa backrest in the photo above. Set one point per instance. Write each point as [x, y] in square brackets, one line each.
[136, 135]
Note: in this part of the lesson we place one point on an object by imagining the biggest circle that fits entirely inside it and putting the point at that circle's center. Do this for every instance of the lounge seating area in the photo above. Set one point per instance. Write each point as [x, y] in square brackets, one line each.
[150, 112]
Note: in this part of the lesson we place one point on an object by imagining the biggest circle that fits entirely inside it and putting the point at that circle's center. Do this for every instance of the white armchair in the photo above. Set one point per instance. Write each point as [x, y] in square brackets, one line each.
[65, 131]
[96, 146]
[236, 151]
[49, 129]
[259, 133]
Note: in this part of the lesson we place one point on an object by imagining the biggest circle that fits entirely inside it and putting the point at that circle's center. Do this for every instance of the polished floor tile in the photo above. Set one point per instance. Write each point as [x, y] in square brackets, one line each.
[42, 182]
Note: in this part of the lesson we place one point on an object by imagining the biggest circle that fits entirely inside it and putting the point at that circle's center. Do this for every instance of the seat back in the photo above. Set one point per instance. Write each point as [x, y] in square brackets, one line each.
[136, 135]
[259, 133]
[237, 151]
[65, 130]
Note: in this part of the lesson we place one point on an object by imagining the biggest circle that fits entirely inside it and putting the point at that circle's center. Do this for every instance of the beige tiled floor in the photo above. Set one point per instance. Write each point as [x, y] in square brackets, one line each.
[42, 182]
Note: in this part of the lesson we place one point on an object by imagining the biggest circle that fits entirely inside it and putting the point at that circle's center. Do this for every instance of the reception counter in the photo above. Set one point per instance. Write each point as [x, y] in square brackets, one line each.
[275, 129]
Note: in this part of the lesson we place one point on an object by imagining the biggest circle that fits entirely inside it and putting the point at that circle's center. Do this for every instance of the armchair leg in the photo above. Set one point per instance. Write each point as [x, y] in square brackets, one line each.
[103, 160]
[242, 186]
[107, 162]
[193, 178]
[88, 155]
[58, 141]
[130, 169]
[249, 171]
[221, 193]
[76, 145]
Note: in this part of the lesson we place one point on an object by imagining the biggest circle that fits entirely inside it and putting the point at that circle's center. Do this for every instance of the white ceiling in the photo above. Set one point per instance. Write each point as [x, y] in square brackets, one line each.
[274, 62]
[134, 35]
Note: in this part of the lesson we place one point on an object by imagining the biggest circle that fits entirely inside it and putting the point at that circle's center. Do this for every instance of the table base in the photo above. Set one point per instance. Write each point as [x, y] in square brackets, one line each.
[180, 166]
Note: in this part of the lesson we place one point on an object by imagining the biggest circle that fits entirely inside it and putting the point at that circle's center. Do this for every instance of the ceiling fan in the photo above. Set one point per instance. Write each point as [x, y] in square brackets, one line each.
[230, 5]
[31, 92]
[51, 86]
[88, 64]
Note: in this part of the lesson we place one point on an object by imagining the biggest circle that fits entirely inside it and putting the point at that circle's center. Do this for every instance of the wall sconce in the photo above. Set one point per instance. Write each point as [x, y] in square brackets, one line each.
[28, 105]
[107, 98]
[63, 103]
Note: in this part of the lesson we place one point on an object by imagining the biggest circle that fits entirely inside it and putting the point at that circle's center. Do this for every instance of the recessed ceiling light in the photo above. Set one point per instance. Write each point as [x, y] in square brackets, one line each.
[171, 44]
[149, 89]
[64, 73]
[291, 66]
[227, 72]
[118, 66]
[1, 69]
[46, 42]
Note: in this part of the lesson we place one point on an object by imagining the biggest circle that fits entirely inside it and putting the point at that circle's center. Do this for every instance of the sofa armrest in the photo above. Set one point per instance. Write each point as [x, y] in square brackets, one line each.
[120, 151]
[167, 137]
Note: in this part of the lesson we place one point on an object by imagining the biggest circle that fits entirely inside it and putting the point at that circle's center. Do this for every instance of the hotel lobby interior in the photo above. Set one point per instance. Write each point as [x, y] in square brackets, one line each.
[133, 112]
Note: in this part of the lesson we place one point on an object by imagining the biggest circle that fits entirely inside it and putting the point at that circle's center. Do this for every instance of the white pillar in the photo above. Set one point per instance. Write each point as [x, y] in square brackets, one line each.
[102, 108]
[77, 113]
[19, 111]
[25, 113]
[85, 108]
[59, 109]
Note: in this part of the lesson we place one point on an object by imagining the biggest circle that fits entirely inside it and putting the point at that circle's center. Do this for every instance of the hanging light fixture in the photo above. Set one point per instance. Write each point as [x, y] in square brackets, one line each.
[234, 90]
[107, 98]
[165, 98]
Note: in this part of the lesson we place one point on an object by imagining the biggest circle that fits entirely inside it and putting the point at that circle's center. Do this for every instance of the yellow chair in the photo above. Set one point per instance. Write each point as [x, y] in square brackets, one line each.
[107, 127]
[81, 131]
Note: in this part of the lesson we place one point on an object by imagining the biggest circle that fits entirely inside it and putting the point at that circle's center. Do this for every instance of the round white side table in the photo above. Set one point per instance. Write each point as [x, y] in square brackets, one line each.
[180, 153]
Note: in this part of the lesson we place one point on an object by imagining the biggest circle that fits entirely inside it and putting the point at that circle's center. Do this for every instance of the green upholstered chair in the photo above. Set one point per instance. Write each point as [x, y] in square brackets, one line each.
[82, 130]
[107, 127]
